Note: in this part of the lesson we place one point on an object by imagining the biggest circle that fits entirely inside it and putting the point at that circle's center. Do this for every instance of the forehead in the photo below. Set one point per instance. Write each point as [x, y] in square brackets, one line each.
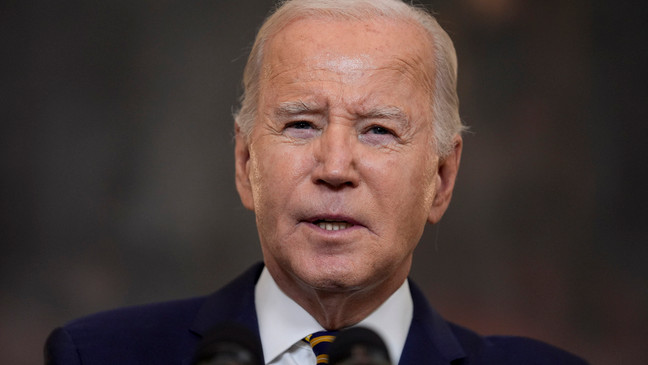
[350, 48]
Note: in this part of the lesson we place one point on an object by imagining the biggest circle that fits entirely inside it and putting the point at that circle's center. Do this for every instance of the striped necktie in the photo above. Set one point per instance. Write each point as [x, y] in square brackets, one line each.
[320, 342]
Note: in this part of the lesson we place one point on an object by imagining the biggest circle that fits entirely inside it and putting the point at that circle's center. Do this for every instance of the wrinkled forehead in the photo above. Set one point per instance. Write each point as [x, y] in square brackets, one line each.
[350, 46]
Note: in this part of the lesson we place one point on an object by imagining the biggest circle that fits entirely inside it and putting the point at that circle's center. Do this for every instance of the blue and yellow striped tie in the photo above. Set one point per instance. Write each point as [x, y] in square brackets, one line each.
[320, 342]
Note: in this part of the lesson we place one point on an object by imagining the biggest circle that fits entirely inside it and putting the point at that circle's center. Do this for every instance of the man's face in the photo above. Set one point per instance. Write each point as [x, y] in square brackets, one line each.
[340, 168]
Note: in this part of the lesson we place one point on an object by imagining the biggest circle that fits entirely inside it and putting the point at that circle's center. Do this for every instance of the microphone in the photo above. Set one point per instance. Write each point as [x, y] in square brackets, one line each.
[358, 346]
[229, 344]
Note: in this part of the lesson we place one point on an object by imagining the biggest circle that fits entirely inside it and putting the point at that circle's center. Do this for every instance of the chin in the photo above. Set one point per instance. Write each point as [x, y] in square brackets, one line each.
[335, 277]
[333, 285]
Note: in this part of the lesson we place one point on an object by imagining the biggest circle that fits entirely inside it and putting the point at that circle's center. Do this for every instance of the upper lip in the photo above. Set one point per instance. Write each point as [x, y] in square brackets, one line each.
[332, 217]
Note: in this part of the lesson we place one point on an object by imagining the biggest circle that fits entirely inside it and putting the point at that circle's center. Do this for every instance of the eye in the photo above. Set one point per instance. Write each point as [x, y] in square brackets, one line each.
[299, 125]
[300, 129]
[377, 135]
[376, 129]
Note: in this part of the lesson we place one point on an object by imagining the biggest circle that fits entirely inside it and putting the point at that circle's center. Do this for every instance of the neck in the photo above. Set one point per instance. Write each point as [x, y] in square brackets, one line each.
[338, 309]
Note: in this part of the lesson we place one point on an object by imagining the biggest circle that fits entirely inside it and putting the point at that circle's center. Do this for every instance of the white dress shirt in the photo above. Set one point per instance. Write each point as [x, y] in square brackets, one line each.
[283, 323]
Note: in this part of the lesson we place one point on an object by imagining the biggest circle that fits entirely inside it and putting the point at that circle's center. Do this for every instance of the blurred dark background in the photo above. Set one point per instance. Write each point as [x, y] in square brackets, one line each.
[117, 167]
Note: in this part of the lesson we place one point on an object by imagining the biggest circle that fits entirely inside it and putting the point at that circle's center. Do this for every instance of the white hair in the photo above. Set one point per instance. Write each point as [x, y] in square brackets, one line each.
[444, 103]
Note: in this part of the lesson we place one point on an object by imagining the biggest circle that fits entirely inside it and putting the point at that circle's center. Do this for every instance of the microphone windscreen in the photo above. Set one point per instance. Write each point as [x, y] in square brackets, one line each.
[358, 346]
[229, 344]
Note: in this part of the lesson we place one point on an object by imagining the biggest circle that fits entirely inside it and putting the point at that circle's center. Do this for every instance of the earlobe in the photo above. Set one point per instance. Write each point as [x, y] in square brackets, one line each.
[447, 170]
[242, 160]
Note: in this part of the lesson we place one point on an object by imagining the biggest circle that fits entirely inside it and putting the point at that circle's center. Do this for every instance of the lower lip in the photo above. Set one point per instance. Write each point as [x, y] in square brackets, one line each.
[333, 232]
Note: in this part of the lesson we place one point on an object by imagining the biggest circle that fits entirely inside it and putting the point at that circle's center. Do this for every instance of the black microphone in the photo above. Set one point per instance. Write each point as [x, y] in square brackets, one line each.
[229, 344]
[358, 346]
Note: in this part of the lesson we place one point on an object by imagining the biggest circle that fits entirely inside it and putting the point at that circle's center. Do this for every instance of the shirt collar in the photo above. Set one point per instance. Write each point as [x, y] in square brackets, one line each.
[283, 322]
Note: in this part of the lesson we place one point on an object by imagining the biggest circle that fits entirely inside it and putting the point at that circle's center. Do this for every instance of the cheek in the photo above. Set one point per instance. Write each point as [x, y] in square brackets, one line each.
[423, 185]
[400, 178]
[402, 186]
[276, 173]
[425, 180]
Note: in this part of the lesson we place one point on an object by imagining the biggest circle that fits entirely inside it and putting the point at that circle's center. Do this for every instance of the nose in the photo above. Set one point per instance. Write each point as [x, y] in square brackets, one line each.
[335, 158]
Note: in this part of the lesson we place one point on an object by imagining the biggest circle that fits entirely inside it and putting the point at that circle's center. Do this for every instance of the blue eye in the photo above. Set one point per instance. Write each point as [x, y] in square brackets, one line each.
[300, 125]
[379, 130]
[300, 129]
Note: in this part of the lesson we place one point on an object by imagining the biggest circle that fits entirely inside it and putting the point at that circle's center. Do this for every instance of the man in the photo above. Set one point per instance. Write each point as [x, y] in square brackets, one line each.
[348, 141]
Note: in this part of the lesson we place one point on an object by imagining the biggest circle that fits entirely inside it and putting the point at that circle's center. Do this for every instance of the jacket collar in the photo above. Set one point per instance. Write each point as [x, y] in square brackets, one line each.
[234, 303]
[429, 341]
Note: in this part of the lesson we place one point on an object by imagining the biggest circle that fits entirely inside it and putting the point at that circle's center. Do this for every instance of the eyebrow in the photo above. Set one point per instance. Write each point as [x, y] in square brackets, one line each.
[385, 112]
[289, 108]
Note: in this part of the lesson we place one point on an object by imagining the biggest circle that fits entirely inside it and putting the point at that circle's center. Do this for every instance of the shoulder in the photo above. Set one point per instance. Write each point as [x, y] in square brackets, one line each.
[128, 335]
[511, 350]
[143, 318]
[432, 335]
[154, 333]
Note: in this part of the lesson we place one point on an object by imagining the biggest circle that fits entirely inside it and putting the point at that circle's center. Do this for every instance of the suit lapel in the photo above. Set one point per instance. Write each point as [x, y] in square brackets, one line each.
[233, 304]
[430, 340]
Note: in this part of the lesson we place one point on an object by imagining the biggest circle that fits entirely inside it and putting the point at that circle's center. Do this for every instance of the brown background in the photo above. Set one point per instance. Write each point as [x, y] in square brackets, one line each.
[117, 165]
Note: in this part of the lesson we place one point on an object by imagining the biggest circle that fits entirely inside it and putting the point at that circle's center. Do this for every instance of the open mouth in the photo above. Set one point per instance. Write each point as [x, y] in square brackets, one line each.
[332, 225]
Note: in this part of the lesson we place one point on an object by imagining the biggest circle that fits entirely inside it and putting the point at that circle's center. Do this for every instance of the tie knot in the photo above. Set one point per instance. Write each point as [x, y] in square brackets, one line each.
[320, 342]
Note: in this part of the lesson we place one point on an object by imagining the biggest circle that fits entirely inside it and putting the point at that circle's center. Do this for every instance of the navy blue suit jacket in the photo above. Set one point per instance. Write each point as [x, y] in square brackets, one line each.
[168, 333]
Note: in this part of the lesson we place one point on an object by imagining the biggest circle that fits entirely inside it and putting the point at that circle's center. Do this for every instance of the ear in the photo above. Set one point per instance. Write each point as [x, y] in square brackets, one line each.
[242, 162]
[447, 170]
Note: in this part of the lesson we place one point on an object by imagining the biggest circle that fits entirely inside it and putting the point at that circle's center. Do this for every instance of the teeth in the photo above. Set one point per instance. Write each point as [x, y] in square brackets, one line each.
[334, 226]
